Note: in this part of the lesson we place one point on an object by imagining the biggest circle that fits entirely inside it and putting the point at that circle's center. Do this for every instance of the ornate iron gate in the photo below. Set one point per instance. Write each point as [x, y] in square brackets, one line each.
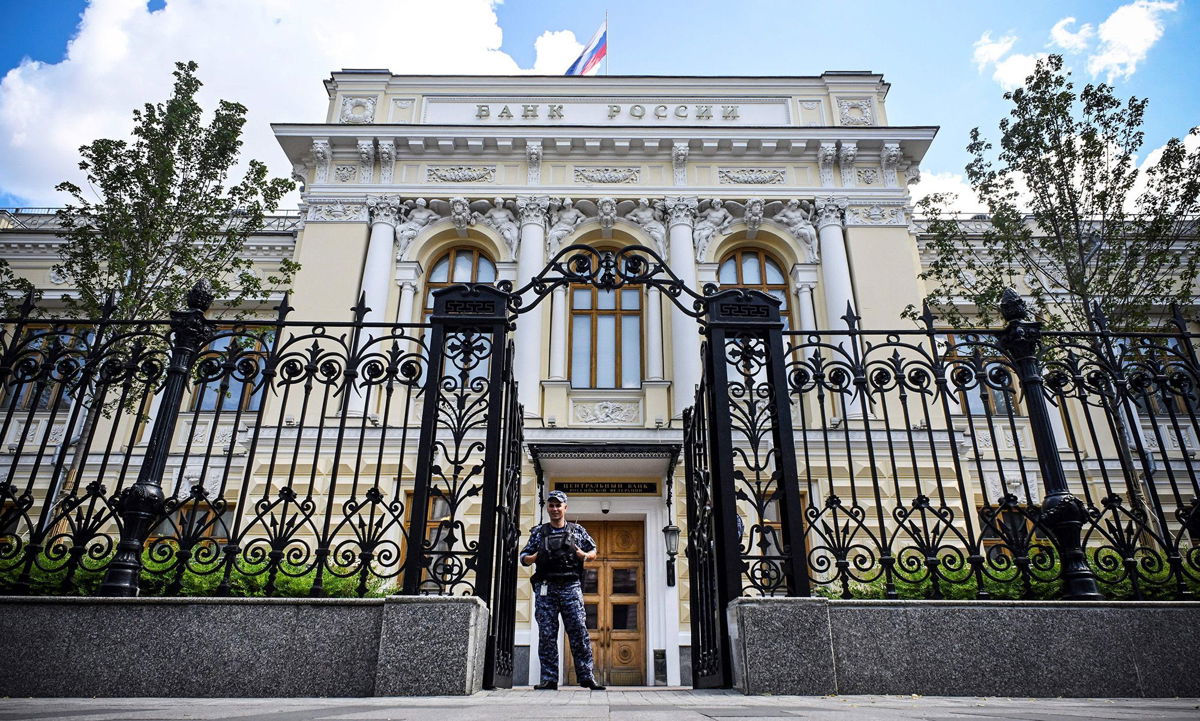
[710, 653]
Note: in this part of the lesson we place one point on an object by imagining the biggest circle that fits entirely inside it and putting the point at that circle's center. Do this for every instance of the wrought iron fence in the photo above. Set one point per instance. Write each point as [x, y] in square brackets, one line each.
[969, 464]
[287, 453]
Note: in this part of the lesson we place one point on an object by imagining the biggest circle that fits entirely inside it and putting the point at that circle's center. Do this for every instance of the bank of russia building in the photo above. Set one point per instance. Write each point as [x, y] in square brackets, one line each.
[400, 191]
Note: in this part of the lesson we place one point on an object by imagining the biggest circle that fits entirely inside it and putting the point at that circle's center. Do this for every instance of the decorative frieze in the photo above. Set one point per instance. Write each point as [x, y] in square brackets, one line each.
[358, 109]
[679, 156]
[387, 161]
[889, 160]
[606, 413]
[867, 176]
[460, 174]
[749, 176]
[321, 155]
[826, 155]
[881, 213]
[846, 157]
[345, 173]
[366, 160]
[607, 175]
[856, 111]
[533, 156]
[332, 210]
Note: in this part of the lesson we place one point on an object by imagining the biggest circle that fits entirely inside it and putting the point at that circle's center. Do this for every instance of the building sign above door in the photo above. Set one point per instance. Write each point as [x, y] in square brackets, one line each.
[615, 111]
[607, 488]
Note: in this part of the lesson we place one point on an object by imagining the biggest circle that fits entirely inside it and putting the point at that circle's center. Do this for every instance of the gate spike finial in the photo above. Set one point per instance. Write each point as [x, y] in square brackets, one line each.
[360, 309]
[850, 317]
[284, 307]
[927, 316]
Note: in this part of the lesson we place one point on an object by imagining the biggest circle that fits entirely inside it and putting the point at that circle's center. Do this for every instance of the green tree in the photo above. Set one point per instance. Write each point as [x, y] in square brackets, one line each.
[164, 216]
[160, 214]
[1074, 222]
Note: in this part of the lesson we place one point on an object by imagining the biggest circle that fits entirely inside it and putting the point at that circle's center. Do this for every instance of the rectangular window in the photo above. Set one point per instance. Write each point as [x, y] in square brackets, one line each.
[606, 338]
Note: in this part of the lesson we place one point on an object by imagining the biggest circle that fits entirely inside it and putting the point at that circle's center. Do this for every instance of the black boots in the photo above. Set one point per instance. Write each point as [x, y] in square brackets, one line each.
[553, 685]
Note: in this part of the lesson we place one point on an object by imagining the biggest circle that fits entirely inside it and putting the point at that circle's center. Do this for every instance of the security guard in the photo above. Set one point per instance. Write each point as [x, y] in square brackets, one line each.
[559, 549]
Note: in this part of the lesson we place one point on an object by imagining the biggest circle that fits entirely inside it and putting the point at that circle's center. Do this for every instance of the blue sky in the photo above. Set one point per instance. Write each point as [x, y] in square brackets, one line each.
[948, 62]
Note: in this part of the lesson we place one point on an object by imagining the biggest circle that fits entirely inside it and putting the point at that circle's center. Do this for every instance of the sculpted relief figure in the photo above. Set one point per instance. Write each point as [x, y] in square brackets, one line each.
[419, 216]
[797, 218]
[562, 224]
[716, 219]
[650, 218]
[502, 220]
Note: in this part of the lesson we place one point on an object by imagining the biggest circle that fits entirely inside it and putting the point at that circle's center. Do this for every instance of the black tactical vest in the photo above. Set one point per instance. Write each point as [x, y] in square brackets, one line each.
[560, 565]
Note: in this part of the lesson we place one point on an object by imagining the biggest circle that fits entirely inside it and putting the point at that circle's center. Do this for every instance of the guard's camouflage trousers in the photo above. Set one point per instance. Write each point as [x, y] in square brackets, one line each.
[565, 599]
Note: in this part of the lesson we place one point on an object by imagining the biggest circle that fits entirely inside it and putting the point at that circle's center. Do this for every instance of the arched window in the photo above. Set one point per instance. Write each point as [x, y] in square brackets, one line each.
[606, 337]
[458, 265]
[755, 268]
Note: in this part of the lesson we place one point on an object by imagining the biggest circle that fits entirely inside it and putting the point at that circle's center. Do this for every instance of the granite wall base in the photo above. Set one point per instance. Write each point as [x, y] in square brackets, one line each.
[240, 647]
[816, 646]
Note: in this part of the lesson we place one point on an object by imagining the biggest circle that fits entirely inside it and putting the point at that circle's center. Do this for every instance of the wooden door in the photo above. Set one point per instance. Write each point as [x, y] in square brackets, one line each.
[614, 599]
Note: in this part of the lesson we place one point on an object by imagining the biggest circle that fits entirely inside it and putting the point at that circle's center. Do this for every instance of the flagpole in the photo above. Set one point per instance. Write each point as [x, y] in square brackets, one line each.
[608, 47]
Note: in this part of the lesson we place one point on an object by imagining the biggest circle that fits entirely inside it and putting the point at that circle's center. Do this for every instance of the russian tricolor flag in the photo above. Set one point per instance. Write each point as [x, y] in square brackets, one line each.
[588, 62]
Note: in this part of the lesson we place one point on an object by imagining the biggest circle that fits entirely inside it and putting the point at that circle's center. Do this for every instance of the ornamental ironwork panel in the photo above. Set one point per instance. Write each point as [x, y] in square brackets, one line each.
[710, 655]
[282, 466]
[458, 467]
[498, 671]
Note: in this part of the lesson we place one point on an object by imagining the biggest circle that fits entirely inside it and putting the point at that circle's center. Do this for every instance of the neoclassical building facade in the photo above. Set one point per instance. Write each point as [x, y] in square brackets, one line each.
[798, 187]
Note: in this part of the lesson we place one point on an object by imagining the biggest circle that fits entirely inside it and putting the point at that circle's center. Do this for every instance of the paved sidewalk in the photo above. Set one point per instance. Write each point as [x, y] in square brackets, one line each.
[641, 704]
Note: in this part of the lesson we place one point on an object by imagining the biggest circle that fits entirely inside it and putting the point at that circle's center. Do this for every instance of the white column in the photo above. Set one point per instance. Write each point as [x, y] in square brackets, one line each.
[377, 273]
[558, 334]
[654, 336]
[408, 291]
[685, 340]
[835, 264]
[531, 258]
[804, 304]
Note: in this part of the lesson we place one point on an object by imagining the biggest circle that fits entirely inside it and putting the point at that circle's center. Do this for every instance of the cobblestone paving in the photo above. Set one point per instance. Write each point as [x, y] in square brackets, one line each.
[641, 704]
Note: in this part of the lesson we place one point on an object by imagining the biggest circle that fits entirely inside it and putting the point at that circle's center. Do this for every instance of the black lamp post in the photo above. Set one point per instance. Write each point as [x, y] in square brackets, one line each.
[671, 536]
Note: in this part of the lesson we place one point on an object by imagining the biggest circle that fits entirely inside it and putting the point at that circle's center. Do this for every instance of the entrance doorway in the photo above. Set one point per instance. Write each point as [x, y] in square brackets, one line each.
[614, 599]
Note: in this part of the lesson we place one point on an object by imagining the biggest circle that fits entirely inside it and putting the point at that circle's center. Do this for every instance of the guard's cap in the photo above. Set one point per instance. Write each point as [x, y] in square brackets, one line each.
[558, 496]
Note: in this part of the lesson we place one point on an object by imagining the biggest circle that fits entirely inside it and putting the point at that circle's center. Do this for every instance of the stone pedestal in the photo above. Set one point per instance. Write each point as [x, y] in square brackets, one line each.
[431, 646]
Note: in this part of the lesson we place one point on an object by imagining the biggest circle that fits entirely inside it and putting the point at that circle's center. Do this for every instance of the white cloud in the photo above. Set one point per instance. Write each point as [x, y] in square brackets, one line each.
[556, 50]
[988, 51]
[1062, 37]
[269, 55]
[1011, 71]
[1126, 36]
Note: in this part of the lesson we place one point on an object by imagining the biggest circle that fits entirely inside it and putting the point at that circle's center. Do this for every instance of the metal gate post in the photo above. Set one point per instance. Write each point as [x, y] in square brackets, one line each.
[1062, 513]
[461, 314]
[142, 503]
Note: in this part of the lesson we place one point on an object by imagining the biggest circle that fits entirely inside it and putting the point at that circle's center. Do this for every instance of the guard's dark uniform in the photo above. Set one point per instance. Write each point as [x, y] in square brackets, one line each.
[557, 589]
